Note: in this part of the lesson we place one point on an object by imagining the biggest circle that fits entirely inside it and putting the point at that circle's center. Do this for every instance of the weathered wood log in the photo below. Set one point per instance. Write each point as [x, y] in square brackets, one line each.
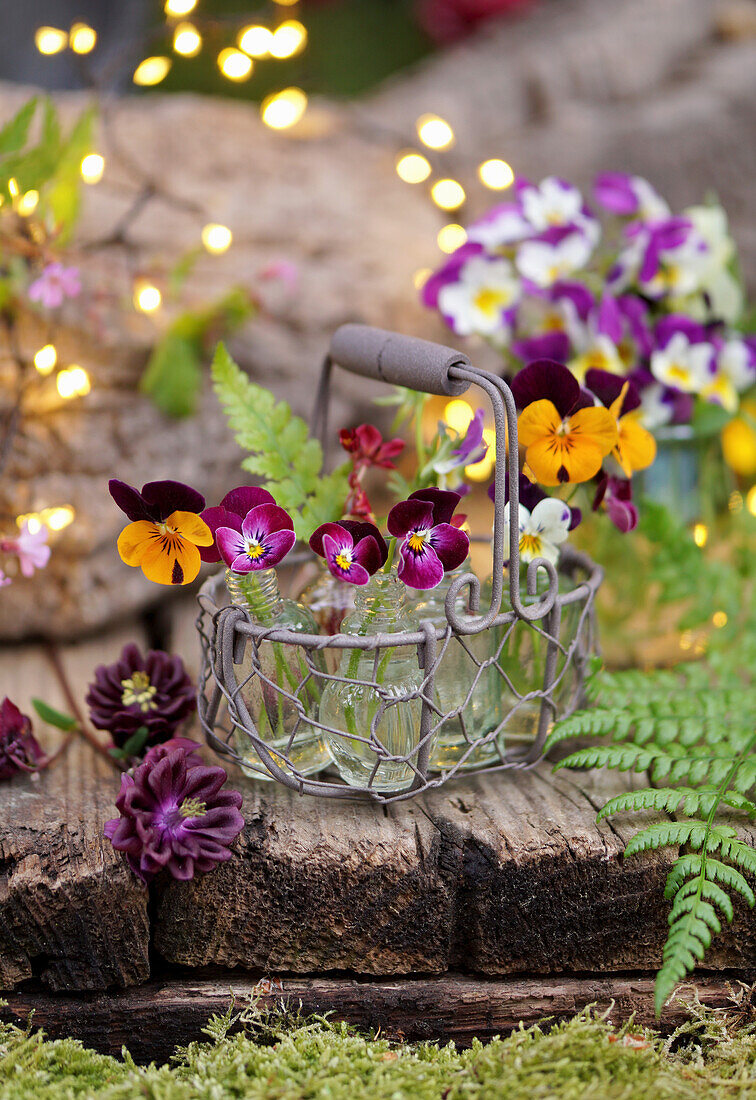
[152, 1020]
[71, 913]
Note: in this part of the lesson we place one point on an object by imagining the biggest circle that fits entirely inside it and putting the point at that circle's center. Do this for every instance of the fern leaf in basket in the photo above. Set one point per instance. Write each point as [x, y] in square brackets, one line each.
[693, 731]
[281, 452]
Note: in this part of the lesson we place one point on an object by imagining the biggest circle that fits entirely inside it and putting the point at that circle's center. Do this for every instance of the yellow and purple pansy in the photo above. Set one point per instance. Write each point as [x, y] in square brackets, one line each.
[266, 537]
[636, 447]
[431, 542]
[566, 437]
[165, 532]
[353, 550]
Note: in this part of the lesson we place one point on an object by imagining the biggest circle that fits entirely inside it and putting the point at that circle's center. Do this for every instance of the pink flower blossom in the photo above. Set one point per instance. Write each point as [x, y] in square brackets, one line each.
[30, 547]
[55, 284]
[284, 271]
[4, 580]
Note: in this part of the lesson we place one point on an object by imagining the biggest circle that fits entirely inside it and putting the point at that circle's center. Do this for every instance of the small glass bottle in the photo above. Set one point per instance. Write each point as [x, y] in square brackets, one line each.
[328, 600]
[453, 682]
[522, 658]
[277, 718]
[351, 705]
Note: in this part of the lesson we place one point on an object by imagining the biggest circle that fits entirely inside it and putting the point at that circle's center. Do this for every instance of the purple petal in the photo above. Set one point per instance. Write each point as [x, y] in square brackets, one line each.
[165, 497]
[549, 380]
[614, 191]
[449, 273]
[264, 520]
[277, 545]
[444, 502]
[607, 387]
[576, 293]
[245, 498]
[473, 441]
[609, 321]
[355, 574]
[549, 345]
[675, 323]
[130, 500]
[368, 554]
[623, 514]
[215, 518]
[576, 517]
[409, 515]
[361, 529]
[335, 531]
[420, 569]
[230, 545]
[451, 545]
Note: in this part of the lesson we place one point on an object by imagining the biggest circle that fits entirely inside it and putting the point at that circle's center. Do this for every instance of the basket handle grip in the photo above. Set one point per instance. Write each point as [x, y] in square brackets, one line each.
[398, 360]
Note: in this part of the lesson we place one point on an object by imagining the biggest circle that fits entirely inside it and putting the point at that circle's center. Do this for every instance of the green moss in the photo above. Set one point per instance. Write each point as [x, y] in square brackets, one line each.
[279, 1057]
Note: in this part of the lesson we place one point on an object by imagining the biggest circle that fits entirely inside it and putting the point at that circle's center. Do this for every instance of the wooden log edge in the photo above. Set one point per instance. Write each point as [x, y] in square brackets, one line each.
[152, 1019]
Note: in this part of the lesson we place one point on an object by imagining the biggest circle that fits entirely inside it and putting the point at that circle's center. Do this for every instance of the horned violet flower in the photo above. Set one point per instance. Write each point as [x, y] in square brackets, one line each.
[174, 816]
[353, 551]
[230, 513]
[266, 537]
[431, 543]
[19, 750]
[149, 689]
[165, 532]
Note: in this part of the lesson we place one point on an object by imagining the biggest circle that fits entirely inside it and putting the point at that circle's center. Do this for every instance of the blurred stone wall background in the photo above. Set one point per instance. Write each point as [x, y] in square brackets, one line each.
[666, 90]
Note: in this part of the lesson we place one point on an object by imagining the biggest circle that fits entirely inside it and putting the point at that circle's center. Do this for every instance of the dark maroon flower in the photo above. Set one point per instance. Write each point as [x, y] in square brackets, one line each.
[157, 500]
[151, 690]
[431, 543]
[175, 817]
[230, 513]
[159, 752]
[368, 447]
[447, 20]
[19, 751]
[353, 551]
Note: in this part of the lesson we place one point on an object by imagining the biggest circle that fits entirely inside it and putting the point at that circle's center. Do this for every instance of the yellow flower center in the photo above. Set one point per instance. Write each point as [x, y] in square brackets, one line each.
[138, 689]
[530, 544]
[343, 560]
[192, 807]
[255, 549]
[417, 541]
[678, 373]
[490, 301]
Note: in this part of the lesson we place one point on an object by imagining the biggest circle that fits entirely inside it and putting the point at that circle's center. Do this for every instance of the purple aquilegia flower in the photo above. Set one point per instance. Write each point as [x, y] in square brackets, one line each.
[175, 817]
[141, 689]
[159, 752]
[353, 551]
[266, 537]
[230, 513]
[19, 751]
[431, 543]
[54, 285]
[30, 547]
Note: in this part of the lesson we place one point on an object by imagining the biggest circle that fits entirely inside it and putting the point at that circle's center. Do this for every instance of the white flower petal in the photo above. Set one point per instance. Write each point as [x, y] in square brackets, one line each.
[551, 520]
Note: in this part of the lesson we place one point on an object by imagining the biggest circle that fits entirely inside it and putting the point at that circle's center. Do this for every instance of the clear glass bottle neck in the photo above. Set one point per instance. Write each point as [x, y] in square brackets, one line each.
[257, 592]
[381, 600]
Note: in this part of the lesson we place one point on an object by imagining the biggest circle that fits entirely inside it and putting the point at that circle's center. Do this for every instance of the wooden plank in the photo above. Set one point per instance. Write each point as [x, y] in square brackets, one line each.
[155, 1018]
[71, 913]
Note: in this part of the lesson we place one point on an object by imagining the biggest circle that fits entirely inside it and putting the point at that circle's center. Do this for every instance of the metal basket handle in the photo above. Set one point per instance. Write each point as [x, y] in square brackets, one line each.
[398, 360]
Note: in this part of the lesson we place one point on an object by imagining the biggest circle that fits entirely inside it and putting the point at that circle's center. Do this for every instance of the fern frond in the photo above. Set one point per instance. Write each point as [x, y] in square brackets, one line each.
[281, 450]
[691, 863]
[689, 800]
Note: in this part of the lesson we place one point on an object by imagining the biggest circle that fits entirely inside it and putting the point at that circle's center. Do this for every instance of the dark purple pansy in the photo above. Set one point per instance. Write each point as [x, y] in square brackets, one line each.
[230, 513]
[531, 494]
[266, 537]
[19, 750]
[607, 387]
[545, 379]
[175, 817]
[616, 494]
[431, 544]
[157, 500]
[353, 551]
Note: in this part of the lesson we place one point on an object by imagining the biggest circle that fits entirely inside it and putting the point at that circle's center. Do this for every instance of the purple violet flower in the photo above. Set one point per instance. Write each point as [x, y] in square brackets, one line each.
[431, 543]
[353, 550]
[19, 750]
[230, 513]
[266, 537]
[175, 817]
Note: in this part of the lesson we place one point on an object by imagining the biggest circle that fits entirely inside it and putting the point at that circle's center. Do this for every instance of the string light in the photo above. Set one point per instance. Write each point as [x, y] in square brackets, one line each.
[234, 64]
[82, 38]
[420, 278]
[73, 382]
[255, 40]
[286, 3]
[50, 40]
[495, 174]
[283, 109]
[413, 167]
[288, 39]
[481, 471]
[719, 619]
[448, 194]
[27, 203]
[147, 297]
[179, 7]
[151, 71]
[32, 521]
[56, 518]
[13, 188]
[686, 640]
[751, 500]
[458, 414]
[700, 534]
[92, 168]
[216, 238]
[434, 132]
[46, 358]
[187, 40]
[451, 237]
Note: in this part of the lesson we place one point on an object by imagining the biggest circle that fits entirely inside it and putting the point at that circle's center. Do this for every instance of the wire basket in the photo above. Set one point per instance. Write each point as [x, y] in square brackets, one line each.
[228, 633]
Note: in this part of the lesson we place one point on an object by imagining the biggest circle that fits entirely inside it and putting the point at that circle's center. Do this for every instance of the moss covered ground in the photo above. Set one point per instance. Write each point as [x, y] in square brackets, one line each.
[277, 1057]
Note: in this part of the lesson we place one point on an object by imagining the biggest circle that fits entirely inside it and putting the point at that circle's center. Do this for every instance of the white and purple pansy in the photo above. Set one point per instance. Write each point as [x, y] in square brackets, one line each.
[542, 530]
[230, 513]
[555, 203]
[502, 227]
[629, 196]
[684, 359]
[431, 543]
[554, 255]
[482, 299]
[266, 537]
[734, 372]
[530, 495]
[353, 550]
